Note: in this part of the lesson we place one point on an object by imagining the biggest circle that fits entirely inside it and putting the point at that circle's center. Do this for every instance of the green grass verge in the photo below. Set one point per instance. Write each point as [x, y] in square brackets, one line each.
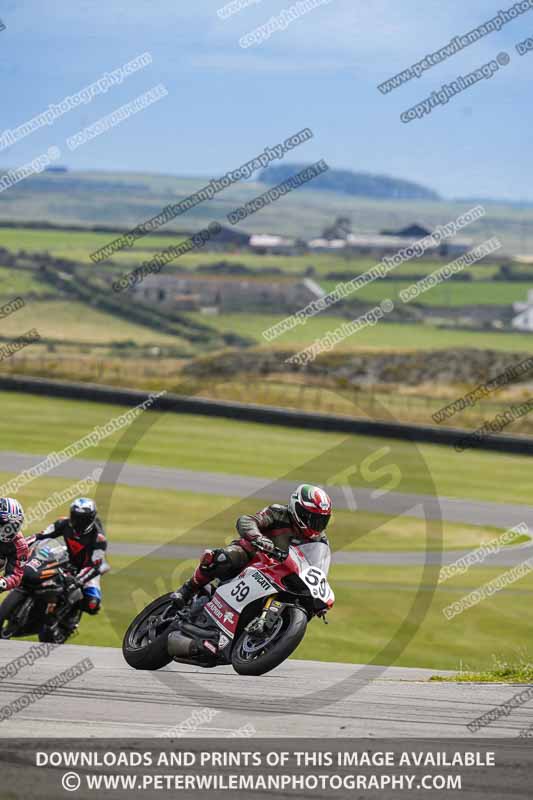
[383, 336]
[186, 518]
[512, 672]
[40, 425]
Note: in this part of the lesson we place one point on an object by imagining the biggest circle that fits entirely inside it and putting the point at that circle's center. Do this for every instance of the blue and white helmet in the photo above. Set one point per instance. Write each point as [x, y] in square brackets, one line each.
[11, 518]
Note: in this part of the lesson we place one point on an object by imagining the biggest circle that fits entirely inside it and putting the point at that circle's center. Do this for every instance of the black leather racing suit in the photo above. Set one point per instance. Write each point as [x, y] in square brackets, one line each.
[87, 555]
[273, 521]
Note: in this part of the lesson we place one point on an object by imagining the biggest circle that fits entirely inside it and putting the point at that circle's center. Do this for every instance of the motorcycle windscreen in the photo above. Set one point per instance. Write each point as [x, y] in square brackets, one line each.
[51, 550]
[317, 554]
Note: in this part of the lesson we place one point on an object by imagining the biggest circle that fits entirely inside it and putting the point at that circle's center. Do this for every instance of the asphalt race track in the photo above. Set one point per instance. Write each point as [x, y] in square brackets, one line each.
[451, 509]
[113, 700]
[471, 512]
[505, 558]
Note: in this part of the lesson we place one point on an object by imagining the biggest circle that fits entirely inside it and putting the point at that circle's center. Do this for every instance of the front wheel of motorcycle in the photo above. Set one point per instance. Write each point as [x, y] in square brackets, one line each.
[59, 634]
[145, 642]
[253, 655]
[7, 609]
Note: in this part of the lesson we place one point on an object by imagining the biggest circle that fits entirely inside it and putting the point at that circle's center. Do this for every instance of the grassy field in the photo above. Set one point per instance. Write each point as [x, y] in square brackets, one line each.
[20, 282]
[366, 623]
[78, 245]
[447, 294]
[392, 401]
[219, 445]
[75, 245]
[383, 336]
[69, 320]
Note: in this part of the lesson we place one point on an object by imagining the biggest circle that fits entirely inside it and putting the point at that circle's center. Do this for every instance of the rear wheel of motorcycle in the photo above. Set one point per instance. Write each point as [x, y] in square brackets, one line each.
[248, 658]
[145, 642]
[7, 609]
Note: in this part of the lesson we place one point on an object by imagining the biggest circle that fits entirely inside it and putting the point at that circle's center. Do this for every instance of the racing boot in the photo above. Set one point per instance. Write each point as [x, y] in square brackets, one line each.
[183, 596]
[212, 564]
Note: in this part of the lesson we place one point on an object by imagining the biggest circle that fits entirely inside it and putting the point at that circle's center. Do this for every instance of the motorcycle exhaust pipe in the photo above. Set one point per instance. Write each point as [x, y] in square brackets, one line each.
[180, 646]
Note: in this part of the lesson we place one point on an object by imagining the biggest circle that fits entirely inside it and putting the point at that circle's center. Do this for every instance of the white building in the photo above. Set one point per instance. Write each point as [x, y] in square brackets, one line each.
[267, 243]
[524, 318]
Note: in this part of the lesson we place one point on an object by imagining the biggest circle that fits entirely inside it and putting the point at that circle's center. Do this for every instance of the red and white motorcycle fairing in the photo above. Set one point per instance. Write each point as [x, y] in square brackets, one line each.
[263, 577]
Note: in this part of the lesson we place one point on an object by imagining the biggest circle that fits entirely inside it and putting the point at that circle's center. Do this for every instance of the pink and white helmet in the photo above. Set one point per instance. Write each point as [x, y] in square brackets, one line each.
[310, 509]
[11, 518]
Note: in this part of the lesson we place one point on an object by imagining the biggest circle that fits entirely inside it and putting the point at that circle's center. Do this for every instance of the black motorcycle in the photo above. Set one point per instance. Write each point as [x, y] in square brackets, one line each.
[47, 602]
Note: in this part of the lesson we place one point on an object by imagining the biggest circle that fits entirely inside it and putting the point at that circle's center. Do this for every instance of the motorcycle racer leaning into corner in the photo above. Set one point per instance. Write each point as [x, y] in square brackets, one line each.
[304, 519]
[86, 543]
[13, 545]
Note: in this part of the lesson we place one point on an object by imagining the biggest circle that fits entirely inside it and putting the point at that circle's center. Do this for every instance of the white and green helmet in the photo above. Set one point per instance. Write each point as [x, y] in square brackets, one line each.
[310, 509]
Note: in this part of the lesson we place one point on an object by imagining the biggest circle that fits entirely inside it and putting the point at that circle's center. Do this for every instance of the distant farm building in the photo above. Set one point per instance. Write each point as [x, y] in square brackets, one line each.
[265, 243]
[227, 239]
[413, 231]
[231, 293]
[387, 243]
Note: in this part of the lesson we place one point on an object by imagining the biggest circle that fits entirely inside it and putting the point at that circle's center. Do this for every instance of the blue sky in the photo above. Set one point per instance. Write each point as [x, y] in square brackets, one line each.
[225, 103]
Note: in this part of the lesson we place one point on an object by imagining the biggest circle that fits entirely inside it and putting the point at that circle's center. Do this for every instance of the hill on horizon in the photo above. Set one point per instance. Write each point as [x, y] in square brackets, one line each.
[126, 199]
[354, 184]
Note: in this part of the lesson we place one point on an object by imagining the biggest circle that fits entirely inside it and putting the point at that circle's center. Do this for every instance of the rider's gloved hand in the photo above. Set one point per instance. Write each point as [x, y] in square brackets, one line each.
[3, 584]
[264, 543]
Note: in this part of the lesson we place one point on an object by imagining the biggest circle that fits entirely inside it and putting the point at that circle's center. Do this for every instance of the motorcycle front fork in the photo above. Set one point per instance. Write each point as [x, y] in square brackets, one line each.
[269, 616]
